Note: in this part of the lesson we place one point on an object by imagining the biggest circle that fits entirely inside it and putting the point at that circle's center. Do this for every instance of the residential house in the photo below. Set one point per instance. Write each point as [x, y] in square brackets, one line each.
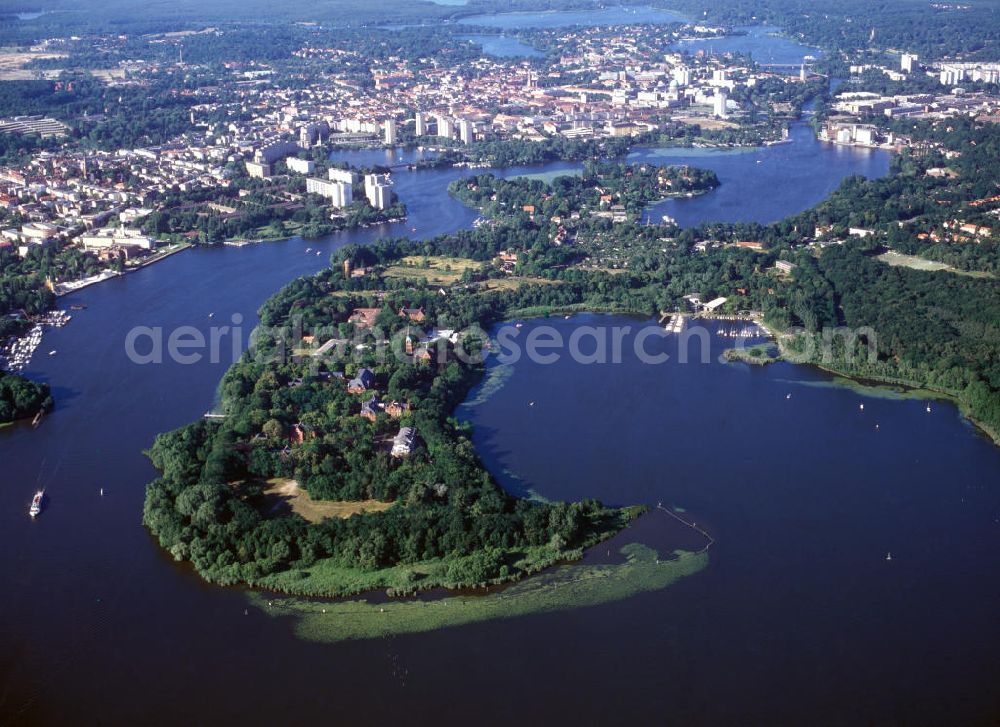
[414, 314]
[404, 442]
[371, 409]
[364, 317]
[362, 382]
[396, 409]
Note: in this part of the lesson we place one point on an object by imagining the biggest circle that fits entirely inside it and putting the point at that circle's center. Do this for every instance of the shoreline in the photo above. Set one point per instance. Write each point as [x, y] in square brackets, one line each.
[569, 587]
[638, 560]
[105, 275]
[915, 388]
[909, 387]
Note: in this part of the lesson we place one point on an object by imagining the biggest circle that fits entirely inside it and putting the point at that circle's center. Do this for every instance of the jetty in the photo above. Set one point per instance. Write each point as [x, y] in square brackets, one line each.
[710, 541]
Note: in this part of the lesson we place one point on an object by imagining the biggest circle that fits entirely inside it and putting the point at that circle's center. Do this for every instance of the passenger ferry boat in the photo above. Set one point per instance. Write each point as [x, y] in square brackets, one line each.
[36, 503]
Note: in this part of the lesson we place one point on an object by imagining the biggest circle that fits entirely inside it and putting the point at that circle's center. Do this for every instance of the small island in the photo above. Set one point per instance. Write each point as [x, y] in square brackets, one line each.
[21, 398]
[757, 355]
[610, 190]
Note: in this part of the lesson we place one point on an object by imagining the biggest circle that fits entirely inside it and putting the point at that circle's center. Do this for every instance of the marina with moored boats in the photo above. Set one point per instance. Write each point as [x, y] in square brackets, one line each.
[16, 353]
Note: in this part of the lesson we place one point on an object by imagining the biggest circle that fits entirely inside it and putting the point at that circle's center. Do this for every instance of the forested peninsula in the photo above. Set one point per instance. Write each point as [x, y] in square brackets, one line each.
[261, 496]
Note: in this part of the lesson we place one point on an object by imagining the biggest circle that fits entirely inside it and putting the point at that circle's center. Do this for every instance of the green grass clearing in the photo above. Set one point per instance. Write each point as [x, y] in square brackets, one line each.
[918, 263]
[288, 494]
[513, 283]
[437, 269]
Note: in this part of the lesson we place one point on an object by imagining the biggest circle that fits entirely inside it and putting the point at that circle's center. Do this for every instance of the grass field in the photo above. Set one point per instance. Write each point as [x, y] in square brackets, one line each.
[608, 271]
[567, 587]
[919, 263]
[287, 494]
[706, 122]
[513, 283]
[13, 62]
[544, 311]
[438, 270]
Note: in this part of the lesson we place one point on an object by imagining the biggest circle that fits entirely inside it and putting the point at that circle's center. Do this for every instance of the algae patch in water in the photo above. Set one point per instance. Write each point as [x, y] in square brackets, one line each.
[566, 587]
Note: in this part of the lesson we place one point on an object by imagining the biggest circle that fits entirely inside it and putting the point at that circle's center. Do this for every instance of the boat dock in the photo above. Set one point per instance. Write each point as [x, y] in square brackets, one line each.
[748, 324]
[676, 324]
[16, 354]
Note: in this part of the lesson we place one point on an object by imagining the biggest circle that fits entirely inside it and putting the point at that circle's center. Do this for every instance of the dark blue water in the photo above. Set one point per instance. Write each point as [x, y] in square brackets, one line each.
[796, 176]
[430, 209]
[781, 180]
[502, 46]
[758, 41]
[795, 611]
[563, 18]
[799, 619]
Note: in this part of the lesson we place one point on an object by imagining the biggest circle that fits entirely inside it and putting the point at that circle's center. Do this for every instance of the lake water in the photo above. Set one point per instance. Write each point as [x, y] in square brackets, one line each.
[761, 42]
[564, 18]
[781, 179]
[798, 619]
[503, 46]
[796, 176]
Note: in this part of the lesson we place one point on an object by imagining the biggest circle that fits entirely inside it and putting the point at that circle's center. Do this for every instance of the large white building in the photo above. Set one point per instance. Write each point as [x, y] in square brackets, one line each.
[38, 231]
[340, 194]
[389, 128]
[343, 175]
[466, 131]
[259, 170]
[274, 151]
[906, 62]
[444, 127]
[378, 191]
[420, 124]
[719, 104]
[121, 237]
[380, 196]
[951, 75]
[300, 166]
